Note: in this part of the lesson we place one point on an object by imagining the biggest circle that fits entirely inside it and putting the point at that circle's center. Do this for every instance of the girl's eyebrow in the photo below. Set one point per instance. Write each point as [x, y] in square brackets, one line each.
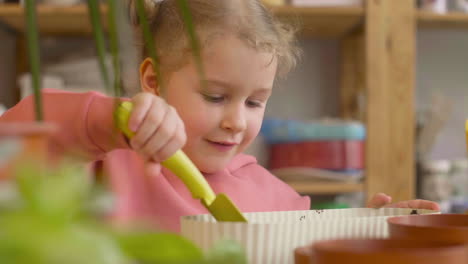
[229, 86]
[263, 90]
[219, 83]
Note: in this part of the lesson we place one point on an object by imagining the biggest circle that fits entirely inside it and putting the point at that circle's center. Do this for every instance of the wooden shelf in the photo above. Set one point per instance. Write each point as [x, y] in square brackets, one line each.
[449, 20]
[52, 20]
[56, 20]
[312, 187]
[322, 21]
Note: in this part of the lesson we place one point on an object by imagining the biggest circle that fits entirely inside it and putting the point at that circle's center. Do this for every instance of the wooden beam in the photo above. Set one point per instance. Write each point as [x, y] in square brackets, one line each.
[311, 187]
[7, 67]
[22, 63]
[74, 20]
[428, 19]
[352, 82]
[52, 20]
[390, 59]
[325, 22]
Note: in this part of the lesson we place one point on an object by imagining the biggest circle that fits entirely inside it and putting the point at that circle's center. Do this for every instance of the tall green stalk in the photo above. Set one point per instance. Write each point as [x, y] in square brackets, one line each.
[32, 37]
[150, 44]
[194, 42]
[148, 38]
[98, 33]
[114, 44]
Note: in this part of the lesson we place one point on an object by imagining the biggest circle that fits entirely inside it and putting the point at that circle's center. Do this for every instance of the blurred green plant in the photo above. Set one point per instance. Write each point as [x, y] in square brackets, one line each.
[48, 220]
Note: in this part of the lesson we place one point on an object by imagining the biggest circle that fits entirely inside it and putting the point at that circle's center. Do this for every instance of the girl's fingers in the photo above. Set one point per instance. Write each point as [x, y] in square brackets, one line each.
[379, 200]
[181, 132]
[174, 144]
[416, 204]
[153, 119]
[424, 204]
[159, 130]
[141, 104]
[153, 168]
[383, 200]
[164, 133]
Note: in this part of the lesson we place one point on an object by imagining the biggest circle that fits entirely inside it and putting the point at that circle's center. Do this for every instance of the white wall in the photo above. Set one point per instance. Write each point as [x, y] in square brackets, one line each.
[442, 67]
[311, 91]
[308, 92]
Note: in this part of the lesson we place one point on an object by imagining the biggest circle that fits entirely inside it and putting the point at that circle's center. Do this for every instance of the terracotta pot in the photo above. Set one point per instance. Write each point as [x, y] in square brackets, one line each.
[382, 251]
[443, 227]
[28, 140]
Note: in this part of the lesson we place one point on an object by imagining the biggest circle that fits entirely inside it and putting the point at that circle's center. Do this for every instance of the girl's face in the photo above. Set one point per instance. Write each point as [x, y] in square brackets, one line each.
[224, 116]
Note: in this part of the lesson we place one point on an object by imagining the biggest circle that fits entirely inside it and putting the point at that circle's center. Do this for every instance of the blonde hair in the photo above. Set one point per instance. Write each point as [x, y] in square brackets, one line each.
[247, 19]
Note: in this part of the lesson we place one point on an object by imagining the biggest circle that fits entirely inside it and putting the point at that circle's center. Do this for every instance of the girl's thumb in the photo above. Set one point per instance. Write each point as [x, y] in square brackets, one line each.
[379, 200]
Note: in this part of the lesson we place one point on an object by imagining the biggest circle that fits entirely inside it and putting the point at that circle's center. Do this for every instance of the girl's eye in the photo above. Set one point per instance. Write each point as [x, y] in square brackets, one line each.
[213, 99]
[254, 104]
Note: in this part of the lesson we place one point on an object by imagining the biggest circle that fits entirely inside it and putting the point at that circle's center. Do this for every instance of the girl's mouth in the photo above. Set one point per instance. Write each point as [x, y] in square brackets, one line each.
[222, 146]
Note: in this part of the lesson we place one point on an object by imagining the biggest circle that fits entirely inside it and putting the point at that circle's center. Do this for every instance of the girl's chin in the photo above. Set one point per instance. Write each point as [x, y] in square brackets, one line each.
[211, 166]
[211, 169]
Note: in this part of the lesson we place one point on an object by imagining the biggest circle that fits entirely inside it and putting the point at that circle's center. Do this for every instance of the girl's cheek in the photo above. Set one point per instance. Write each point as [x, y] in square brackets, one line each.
[256, 122]
[253, 129]
[197, 123]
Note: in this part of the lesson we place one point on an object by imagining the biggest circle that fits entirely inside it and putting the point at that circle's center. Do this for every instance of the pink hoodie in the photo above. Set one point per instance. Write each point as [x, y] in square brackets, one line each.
[144, 194]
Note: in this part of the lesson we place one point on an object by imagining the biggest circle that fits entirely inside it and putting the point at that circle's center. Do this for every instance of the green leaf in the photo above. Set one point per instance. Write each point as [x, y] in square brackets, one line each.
[159, 248]
[86, 246]
[27, 238]
[20, 236]
[227, 252]
[57, 194]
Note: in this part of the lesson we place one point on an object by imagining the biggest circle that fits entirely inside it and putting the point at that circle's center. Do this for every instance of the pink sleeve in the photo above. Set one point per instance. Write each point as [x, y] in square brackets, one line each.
[254, 181]
[283, 195]
[85, 122]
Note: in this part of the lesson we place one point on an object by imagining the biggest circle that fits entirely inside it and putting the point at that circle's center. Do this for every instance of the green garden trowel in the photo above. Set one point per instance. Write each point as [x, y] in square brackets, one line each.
[220, 206]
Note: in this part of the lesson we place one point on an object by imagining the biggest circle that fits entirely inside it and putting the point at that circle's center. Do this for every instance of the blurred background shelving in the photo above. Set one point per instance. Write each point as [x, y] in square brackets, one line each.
[369, 67]
[73, 20]
[52, 20]
[313, 21]
[448, 21]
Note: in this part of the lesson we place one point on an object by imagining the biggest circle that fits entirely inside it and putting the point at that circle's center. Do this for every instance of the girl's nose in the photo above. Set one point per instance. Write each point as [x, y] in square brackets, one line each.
[234, 120]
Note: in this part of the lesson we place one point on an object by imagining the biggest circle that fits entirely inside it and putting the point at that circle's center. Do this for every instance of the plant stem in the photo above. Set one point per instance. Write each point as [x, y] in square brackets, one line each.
[194, 42]
[114, 45]
[98, 33]
[32, 37]
[150, 45]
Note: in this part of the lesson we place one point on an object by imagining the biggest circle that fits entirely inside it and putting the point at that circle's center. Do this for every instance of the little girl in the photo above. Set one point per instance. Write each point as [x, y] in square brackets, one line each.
[243, 49]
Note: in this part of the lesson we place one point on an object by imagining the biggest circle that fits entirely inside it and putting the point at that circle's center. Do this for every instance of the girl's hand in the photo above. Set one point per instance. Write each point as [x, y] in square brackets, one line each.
[383, 200]
[159, 131]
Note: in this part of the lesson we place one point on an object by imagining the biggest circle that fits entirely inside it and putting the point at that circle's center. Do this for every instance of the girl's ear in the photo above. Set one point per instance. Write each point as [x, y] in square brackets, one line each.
[148, 81]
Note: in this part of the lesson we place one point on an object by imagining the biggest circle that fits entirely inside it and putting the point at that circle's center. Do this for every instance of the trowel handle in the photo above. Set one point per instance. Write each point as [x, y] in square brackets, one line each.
[179, 163]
